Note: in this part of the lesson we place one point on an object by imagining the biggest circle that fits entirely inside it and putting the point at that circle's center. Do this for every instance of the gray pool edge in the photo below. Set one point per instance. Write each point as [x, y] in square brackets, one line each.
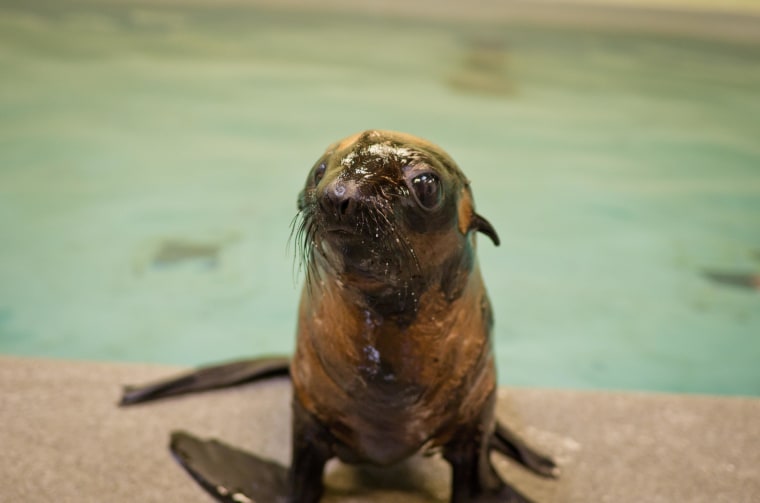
[64, 439]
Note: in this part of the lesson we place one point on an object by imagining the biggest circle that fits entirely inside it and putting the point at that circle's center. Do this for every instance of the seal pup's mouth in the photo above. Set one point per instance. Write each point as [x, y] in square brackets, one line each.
[362, 239]
[343, 231]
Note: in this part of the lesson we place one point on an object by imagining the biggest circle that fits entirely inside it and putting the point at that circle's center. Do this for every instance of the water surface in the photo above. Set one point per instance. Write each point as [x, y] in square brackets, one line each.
[150, 160]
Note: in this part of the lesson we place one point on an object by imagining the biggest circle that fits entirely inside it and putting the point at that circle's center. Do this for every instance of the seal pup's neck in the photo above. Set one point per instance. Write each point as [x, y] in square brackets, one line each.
[394, 291]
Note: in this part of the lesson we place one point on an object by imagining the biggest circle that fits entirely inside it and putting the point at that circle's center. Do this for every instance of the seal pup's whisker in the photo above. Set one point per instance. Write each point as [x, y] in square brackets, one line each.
[305, 232]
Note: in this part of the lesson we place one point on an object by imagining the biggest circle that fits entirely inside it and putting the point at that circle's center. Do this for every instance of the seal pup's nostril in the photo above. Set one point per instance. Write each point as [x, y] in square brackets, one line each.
[340, 198]
[346, 207]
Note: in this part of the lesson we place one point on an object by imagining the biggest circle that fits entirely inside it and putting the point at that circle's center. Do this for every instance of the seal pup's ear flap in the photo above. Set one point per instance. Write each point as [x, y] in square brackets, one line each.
[480, 224]
[471, 221]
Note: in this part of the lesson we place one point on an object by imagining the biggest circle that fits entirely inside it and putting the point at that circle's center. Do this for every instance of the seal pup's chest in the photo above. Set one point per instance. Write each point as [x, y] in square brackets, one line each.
[388, 409]
[386, 388]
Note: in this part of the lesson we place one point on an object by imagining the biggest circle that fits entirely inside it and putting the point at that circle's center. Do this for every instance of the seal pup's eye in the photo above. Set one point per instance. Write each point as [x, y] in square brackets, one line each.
[319, 172]
[427, 190]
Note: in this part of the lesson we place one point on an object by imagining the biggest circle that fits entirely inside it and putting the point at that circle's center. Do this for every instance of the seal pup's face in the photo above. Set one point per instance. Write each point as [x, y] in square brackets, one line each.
[388, 213]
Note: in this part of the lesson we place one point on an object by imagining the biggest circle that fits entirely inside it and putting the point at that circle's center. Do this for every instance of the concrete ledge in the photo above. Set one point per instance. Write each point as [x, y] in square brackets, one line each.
[63, 439]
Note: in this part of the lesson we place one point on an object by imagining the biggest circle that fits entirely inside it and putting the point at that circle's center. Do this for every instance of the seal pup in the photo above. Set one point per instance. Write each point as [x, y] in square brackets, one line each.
[394, 352]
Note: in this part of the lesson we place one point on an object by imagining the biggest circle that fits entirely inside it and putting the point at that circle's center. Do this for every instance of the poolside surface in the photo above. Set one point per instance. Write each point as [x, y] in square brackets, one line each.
[65, 440]
[150, 159]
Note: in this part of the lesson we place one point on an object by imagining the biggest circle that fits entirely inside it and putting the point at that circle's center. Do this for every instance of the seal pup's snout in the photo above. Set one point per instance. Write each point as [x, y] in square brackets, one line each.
[340, 199]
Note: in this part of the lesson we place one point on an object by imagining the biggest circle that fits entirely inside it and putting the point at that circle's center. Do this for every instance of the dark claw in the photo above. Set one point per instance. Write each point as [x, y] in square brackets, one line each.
[505, 495]
[508, 443]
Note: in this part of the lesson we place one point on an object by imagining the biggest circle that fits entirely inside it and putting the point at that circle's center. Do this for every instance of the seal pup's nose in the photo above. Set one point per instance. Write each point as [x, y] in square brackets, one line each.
[340, 198]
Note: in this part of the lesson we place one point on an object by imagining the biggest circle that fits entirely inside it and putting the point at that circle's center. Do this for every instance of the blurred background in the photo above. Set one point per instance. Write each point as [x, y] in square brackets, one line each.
[151, 153]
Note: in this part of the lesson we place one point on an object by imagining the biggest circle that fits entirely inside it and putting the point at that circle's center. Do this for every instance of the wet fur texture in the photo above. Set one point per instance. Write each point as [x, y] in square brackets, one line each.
[394, 350]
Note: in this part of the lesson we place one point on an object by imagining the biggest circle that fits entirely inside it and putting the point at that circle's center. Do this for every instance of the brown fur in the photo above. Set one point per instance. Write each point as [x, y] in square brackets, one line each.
[383, 387]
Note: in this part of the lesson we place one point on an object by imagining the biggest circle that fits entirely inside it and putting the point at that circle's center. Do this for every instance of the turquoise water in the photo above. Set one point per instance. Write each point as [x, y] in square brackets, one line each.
[150, 160]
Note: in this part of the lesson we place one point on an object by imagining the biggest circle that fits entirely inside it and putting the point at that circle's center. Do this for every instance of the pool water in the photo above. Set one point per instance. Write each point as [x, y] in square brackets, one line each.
[150, 160]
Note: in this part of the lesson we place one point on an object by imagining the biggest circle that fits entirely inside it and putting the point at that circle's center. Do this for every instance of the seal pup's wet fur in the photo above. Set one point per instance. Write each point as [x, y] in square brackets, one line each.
[394, 351]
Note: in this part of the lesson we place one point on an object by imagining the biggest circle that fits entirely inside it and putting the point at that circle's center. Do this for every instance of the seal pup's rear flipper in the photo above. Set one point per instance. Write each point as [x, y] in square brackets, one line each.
[511, 445]
[207, 378]
[228, 474]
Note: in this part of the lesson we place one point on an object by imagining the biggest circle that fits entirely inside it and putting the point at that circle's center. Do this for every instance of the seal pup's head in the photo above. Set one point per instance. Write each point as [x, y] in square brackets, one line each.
[388, 215]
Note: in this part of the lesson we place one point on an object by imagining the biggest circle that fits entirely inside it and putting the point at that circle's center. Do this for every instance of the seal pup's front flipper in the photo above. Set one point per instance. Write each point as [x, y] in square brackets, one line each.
[207, 378]
[228, 474]
[511, 445]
